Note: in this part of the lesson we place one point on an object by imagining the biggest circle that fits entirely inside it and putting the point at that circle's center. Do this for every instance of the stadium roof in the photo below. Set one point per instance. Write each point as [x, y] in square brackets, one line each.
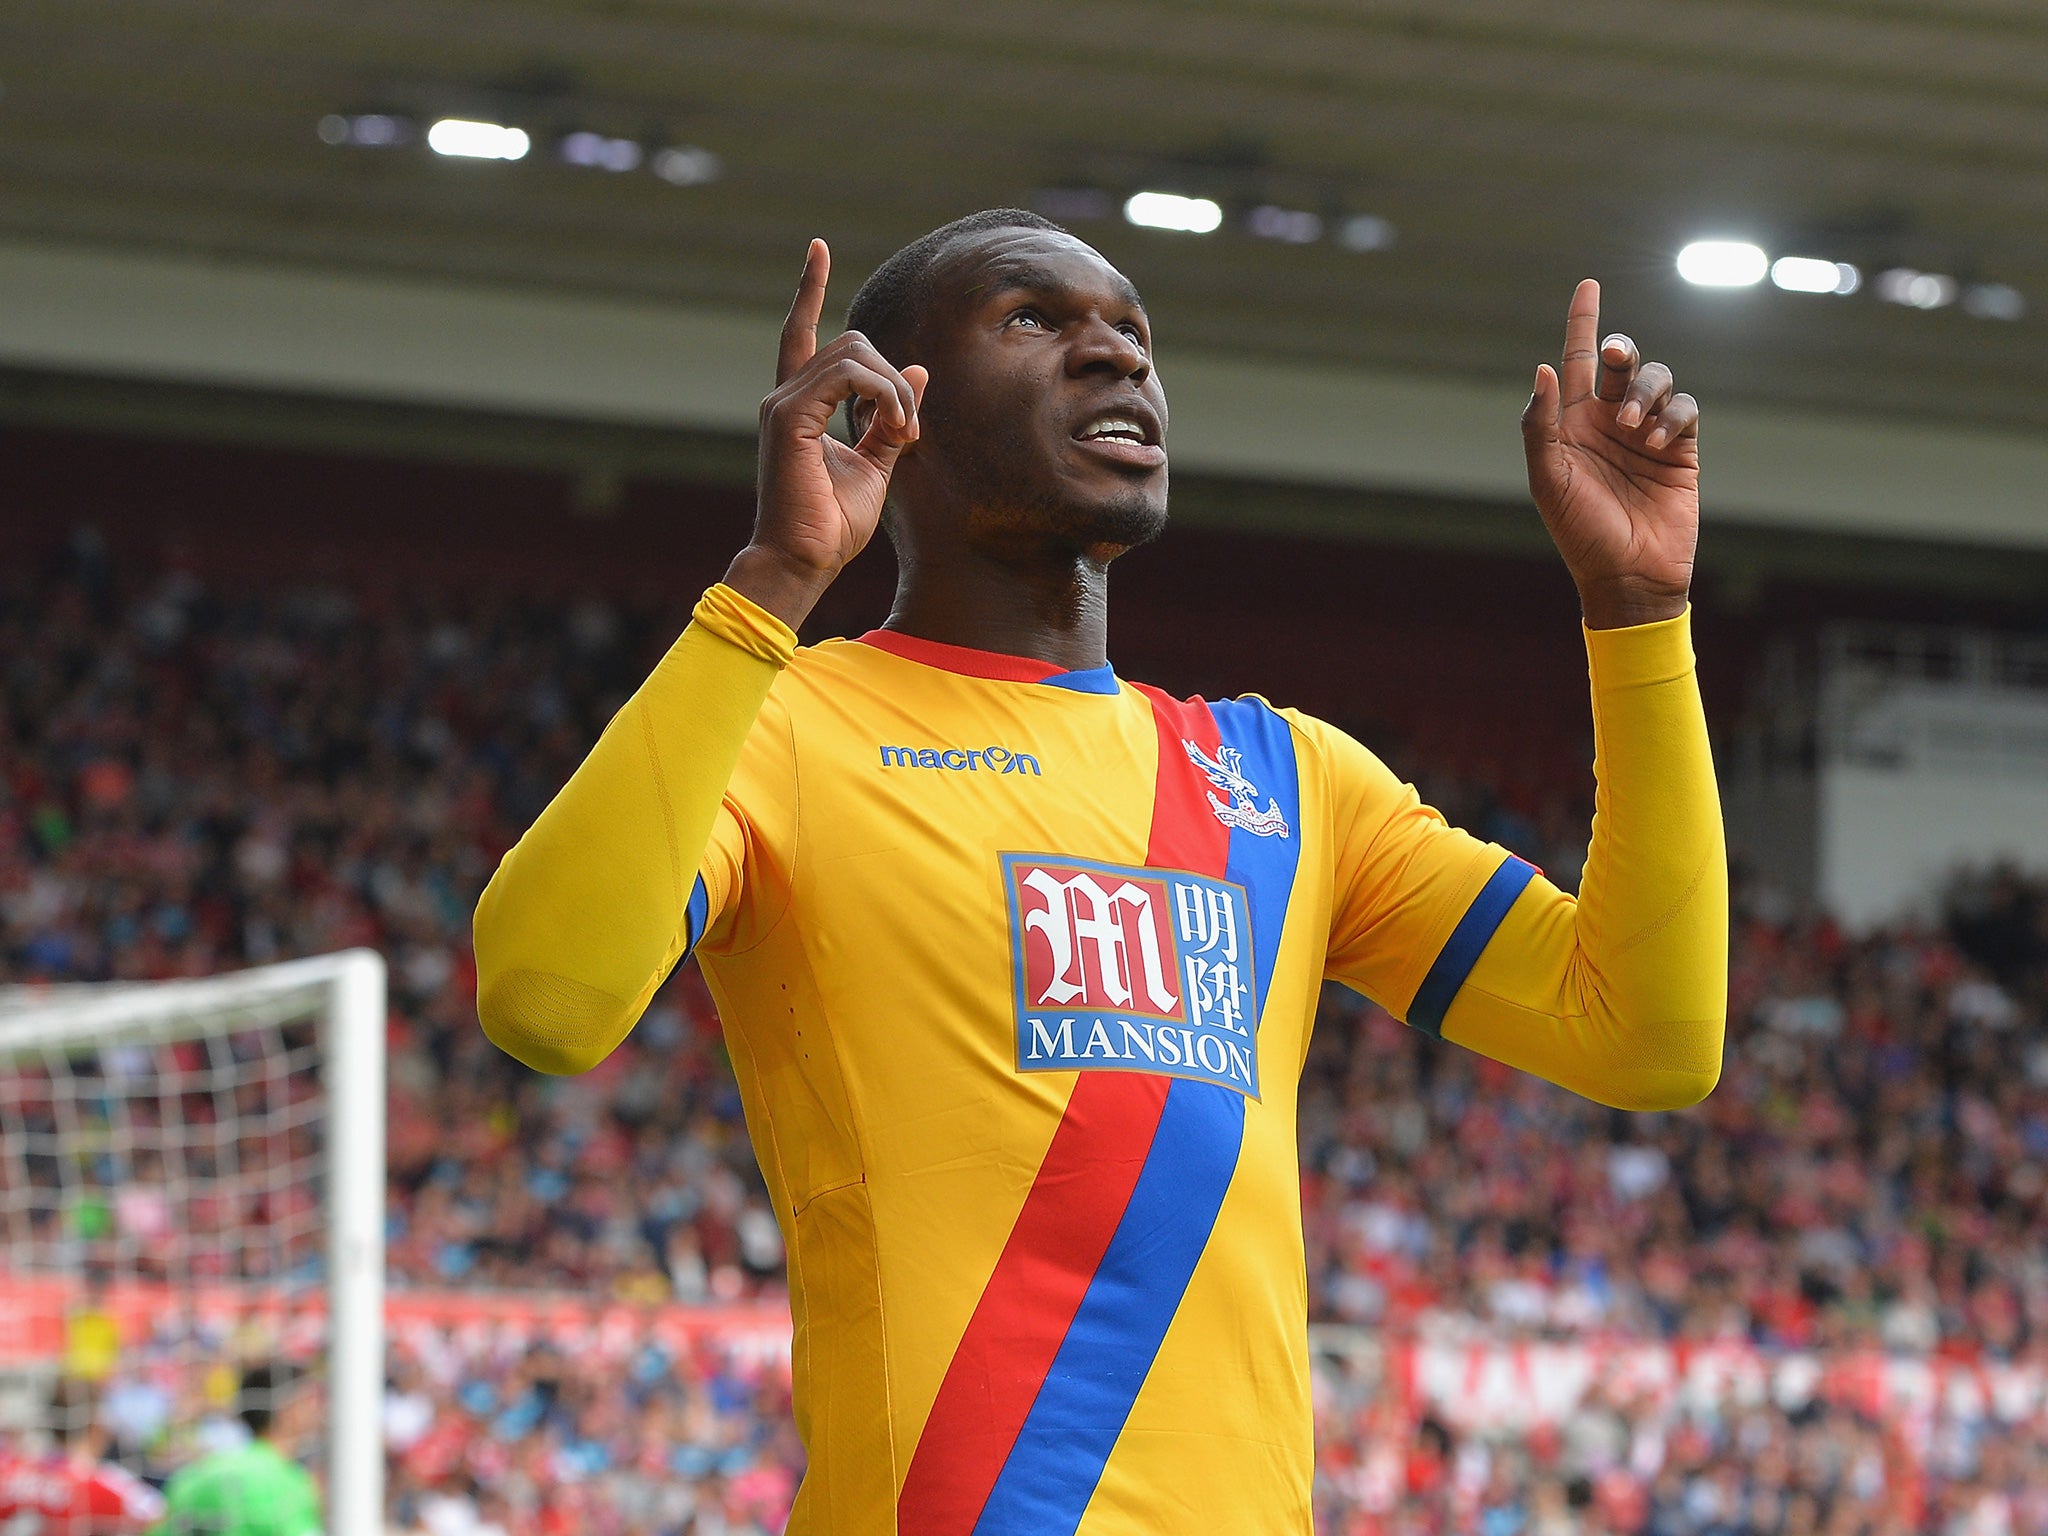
[1503, 149]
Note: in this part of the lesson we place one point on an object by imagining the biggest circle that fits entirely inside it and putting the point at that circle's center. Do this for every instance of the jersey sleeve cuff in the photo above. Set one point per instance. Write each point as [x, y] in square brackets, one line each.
[1467, 941]
[738, 619]
[1641, 655]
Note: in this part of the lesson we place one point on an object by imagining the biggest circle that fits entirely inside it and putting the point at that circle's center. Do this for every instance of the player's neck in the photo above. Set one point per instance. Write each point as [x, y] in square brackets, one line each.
[1049, 603]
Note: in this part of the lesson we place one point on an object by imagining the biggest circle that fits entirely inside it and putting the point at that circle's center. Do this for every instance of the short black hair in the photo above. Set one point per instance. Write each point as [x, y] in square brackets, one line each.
[71, 1411]
[256, 1404]
[891, 302]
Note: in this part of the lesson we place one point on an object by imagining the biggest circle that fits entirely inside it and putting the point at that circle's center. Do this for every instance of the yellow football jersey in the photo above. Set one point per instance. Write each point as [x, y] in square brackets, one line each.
[1018, 969]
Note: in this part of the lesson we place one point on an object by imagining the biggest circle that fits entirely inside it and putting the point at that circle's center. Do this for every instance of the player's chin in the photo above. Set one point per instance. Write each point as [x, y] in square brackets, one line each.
[1121, 518]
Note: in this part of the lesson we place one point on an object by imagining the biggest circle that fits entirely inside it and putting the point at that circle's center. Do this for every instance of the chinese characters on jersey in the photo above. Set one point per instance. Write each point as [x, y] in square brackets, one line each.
[1131, 969]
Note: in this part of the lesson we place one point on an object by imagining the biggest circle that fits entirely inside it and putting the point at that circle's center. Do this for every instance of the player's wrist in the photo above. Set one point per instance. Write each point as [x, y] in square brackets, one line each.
[1623, 603]
[778, 582]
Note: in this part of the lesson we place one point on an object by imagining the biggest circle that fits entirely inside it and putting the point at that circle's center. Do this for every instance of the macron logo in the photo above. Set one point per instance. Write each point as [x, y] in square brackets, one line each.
[954, 760]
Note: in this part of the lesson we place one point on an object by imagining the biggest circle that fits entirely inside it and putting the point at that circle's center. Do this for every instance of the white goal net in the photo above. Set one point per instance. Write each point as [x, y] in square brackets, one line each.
[192, 1204]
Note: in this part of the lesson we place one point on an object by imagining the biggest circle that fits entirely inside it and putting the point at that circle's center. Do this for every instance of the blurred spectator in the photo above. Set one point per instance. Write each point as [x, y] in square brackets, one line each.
[254, 1487]
[71, 1487]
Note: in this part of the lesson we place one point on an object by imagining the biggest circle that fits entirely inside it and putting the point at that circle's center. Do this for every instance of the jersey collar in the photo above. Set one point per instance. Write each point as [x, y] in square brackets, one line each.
[993, 665]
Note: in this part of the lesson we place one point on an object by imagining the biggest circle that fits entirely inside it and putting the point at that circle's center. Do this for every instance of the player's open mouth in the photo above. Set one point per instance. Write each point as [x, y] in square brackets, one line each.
[1124, 437]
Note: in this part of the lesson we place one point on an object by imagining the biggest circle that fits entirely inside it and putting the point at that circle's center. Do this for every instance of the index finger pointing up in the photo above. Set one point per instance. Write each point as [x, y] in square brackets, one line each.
[1581, 343]
[800, 330]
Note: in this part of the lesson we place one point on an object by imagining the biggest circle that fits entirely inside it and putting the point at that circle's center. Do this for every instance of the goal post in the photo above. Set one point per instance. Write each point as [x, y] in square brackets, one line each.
[183, 1143]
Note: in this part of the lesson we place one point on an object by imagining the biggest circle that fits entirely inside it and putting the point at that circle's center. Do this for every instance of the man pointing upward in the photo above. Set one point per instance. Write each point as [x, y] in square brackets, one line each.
[1017, 959]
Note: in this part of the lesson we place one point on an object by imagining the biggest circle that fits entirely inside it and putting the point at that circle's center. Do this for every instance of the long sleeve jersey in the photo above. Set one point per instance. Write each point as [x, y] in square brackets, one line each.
[1018, 968]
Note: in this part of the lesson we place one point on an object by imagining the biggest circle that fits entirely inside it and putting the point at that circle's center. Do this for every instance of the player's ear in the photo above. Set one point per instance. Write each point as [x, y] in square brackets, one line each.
[859, 413]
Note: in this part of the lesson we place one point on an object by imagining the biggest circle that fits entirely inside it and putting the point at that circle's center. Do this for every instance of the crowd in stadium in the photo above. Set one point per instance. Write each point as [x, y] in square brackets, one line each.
[191, 782]
[192, 786]
[1872, 1170]
[532, 1440]
[1617, 1466]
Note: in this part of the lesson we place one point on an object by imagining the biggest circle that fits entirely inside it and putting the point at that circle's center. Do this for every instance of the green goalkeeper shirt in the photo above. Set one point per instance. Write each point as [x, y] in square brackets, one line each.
[253, 1490]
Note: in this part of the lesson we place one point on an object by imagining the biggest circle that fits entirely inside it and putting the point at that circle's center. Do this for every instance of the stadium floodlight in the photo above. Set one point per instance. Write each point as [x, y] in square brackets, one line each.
[1810, 274]
[1170, 210]
[467, 139]
[1366, 232]
[1294, 226]
[189, 1168]
[366, 130]
[1915, 290]
[1994, 301]
[686, 165]
[601, 153]
[1723, 264]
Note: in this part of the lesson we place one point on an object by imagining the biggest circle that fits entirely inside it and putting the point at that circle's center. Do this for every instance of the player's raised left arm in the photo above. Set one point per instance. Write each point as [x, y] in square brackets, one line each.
[1622, 993]
[1614, 465]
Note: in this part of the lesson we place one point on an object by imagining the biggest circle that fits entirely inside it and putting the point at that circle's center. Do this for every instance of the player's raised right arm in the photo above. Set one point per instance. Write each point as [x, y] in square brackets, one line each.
[819, 499]
[589, 911]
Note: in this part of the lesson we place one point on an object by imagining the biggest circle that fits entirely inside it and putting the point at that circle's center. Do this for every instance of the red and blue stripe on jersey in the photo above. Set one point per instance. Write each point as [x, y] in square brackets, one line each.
[1123, 1204]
